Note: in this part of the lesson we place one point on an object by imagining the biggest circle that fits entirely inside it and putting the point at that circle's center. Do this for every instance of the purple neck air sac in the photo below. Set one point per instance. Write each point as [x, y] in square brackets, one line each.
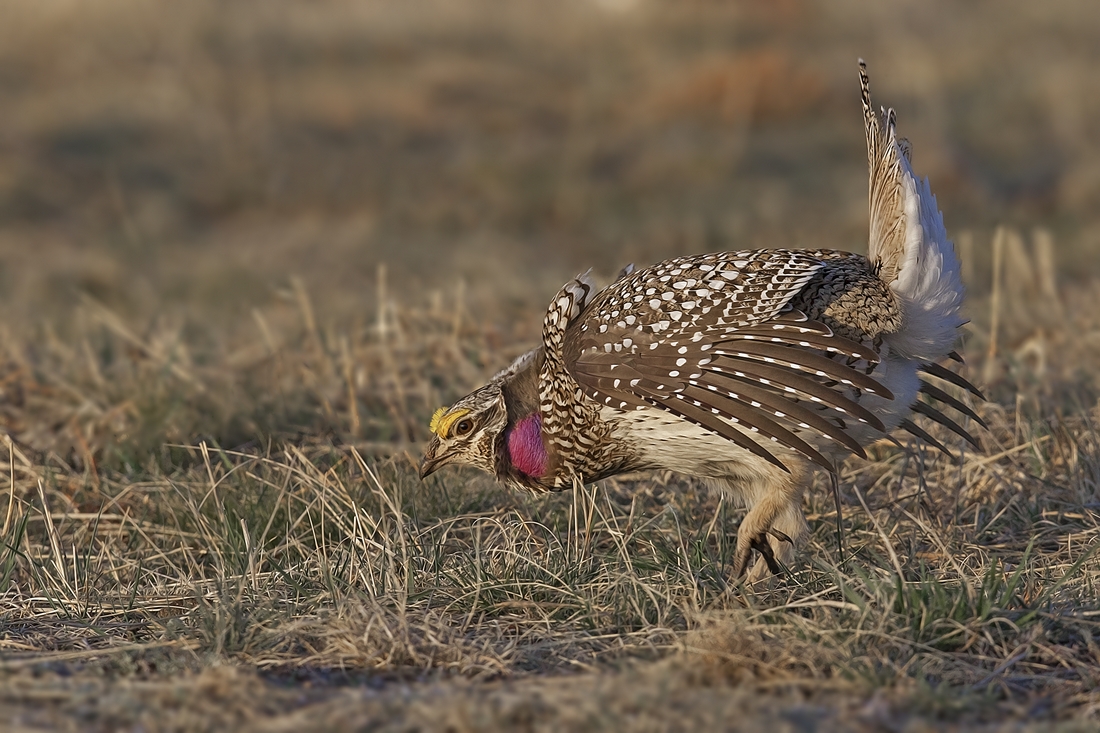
[525, 448]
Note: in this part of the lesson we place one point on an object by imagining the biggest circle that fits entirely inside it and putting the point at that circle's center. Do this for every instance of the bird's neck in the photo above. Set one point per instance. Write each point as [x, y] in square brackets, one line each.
[526, 450]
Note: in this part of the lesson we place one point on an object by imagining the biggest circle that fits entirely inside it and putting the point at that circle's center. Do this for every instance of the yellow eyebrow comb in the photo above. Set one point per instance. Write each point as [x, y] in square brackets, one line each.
[442, 421]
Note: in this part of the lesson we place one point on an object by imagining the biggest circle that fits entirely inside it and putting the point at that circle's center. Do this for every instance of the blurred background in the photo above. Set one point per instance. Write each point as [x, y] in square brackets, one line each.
[190, 158]
[213, 213]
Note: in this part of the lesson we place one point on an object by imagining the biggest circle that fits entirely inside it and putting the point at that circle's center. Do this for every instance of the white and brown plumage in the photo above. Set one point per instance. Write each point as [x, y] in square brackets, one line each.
[745, 368]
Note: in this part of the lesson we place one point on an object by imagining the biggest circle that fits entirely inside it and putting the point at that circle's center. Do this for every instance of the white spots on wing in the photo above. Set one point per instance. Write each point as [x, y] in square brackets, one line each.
[630, 320]
[675, 315]
[681, 361]
[655, 304]
[668, 295]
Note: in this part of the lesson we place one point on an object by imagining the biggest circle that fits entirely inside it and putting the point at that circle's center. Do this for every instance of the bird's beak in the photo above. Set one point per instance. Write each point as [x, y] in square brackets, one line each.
[428, 466]
[430, 462]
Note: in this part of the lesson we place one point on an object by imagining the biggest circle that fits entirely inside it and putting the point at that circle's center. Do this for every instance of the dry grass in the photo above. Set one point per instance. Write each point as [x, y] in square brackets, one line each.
[966, 591]
[212, 392]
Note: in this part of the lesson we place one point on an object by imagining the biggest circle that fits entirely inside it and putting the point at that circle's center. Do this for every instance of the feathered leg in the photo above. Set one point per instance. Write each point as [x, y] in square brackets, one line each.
[774, 524]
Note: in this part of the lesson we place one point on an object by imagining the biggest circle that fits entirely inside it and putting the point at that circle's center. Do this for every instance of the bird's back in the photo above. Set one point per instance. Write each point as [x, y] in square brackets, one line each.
[730, 355]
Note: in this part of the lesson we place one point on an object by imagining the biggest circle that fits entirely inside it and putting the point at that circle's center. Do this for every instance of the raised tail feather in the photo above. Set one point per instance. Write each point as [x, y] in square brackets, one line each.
[909, 247]
[908, 242]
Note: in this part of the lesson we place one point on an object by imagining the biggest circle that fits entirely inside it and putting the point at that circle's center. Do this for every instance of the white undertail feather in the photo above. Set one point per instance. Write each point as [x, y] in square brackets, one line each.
[909, 243]
[929, 283]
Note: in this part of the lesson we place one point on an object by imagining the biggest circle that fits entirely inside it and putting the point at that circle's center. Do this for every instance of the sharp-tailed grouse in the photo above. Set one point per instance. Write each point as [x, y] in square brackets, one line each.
[744, 368]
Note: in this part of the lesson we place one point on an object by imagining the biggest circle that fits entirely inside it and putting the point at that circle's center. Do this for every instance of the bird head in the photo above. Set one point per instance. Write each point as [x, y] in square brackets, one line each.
[467, 432]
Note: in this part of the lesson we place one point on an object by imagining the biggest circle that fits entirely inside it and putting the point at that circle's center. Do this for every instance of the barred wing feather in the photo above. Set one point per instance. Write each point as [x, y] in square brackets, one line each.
[725, 351]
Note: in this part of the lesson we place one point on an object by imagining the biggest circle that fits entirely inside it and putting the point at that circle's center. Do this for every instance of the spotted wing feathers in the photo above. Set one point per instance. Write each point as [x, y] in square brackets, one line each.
[713, 340]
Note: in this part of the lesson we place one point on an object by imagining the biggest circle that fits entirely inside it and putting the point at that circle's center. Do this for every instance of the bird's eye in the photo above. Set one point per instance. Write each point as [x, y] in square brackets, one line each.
[463, 427]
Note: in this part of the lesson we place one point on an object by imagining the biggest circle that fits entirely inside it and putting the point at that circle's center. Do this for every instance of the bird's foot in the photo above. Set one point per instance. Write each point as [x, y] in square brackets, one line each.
[760, 544]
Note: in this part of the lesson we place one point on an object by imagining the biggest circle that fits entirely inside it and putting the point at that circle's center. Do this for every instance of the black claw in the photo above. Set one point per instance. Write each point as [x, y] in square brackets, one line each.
[760, 544]
[781, 536]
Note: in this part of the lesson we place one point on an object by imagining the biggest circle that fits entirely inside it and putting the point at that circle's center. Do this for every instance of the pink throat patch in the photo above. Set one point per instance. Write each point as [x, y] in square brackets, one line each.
[525, 448]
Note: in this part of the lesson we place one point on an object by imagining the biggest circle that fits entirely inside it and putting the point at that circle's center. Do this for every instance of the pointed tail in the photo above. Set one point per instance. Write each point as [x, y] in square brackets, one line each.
[908, 242]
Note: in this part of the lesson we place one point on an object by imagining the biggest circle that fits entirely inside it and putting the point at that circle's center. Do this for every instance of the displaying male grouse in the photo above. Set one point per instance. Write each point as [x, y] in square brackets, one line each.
[744, 368]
